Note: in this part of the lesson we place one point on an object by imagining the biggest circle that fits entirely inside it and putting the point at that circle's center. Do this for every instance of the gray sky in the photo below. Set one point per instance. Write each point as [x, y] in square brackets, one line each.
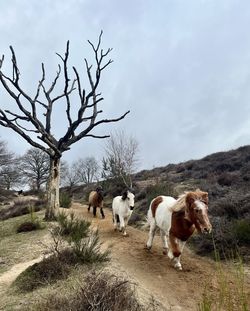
[181, 67]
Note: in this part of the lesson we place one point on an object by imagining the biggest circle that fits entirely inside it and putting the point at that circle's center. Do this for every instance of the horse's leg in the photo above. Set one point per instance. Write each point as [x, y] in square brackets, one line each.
[122, 224]
[101, 210]
[151, 234]
[125, 226]
[175, 251]
[164, 242]
[115, 221]
[89, 207]
[94, 211]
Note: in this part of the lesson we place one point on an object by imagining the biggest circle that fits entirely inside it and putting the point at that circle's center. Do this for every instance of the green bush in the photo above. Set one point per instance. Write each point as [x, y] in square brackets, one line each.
[65, 200]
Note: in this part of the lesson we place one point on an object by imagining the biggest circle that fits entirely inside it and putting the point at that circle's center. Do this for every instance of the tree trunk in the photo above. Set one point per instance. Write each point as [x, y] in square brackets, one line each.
[53, 189]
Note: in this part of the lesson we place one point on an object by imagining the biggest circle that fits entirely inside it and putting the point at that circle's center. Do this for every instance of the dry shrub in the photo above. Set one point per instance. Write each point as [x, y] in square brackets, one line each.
[21, 208]
[29, 226]
[101, 291]
[43, 273]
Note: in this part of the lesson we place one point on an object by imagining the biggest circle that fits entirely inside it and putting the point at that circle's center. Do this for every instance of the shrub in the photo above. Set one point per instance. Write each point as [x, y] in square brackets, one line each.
[163, 188]
[48, 271]
[241, 230]
[20, 208]
[100, 291]
[65, 200]
[29, 226]
[72, 227]
[85, 245]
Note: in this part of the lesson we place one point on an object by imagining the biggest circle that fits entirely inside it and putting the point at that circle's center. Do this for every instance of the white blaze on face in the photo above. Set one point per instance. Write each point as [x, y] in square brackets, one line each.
[200, 205]
[131, 199]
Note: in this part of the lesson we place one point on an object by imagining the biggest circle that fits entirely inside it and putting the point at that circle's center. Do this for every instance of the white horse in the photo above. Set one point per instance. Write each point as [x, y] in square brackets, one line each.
[177, 220]
[122, 207]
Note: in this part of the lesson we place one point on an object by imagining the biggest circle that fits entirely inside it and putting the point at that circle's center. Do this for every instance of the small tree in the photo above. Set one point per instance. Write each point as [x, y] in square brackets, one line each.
[120, 159]
[9, 168]
[35, 167]
[87, 170]
[36, 128]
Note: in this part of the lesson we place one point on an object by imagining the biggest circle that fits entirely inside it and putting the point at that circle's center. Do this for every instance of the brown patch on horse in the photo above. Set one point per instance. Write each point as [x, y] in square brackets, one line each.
[181, 227]
[155, 203]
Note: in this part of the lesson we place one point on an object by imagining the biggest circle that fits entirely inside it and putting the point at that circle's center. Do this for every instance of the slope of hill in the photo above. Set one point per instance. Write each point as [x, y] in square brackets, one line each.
[226, 177]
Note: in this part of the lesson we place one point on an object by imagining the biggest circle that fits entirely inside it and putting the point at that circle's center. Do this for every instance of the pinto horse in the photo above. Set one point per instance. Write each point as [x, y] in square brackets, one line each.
[177, 220]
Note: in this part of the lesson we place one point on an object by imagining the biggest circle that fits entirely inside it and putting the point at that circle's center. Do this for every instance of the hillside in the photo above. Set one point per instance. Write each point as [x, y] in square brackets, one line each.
[226, 177]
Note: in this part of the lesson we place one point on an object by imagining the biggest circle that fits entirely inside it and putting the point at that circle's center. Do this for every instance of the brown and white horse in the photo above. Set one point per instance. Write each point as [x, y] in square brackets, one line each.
[177, 220]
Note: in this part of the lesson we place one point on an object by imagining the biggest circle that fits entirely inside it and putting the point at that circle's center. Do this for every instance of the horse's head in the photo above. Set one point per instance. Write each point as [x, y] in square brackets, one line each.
[129, 197]
[197, 210]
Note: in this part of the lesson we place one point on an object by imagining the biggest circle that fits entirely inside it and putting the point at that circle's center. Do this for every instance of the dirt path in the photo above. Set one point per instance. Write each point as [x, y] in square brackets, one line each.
[176, 290]
[9, 276]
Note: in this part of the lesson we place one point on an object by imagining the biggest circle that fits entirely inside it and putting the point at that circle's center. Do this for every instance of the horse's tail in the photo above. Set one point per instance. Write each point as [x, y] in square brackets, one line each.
[144, 224]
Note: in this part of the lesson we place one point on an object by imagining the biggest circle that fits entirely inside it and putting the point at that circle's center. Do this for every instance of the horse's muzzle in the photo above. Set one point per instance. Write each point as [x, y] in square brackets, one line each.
[206, 230]
[131, 208]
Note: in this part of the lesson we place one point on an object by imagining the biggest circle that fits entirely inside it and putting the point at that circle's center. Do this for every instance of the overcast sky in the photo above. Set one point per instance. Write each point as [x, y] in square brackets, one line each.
[181, 67]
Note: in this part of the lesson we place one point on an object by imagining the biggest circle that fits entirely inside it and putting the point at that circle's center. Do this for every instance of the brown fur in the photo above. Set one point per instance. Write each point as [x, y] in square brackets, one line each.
[95, 199]
[155, 204]
[184, 221]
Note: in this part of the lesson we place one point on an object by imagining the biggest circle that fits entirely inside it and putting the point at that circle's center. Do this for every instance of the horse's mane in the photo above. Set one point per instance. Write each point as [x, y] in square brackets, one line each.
[180, 204]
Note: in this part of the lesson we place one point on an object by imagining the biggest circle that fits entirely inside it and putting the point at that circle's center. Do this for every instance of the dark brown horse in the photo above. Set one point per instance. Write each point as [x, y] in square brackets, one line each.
[96, 200]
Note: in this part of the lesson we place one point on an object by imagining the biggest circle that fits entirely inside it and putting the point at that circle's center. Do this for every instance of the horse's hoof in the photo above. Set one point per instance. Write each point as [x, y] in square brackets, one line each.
[148, 248]
[165, 252]
[178, 267]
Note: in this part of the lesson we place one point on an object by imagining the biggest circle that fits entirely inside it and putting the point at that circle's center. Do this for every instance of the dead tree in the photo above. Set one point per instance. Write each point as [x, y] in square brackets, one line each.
[35, 128]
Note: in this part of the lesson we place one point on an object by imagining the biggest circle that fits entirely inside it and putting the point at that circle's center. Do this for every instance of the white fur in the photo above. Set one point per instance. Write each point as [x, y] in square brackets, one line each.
[162, 220]
[122, 209]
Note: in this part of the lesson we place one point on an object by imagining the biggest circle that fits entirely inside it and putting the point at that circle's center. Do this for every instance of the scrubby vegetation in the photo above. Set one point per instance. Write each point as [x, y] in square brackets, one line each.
[21, 207]
[100, 290]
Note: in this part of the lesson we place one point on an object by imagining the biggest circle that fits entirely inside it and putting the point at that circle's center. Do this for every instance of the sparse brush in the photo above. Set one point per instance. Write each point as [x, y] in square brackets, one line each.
[101, 291]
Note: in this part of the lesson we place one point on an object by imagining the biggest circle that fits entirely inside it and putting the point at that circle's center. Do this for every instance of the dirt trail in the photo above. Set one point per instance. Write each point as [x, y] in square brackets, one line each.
[176, 290]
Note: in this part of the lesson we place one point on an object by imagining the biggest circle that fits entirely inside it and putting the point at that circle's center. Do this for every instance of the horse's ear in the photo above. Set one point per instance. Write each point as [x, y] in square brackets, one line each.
[205, 197]
[124, 195]
[190, 198]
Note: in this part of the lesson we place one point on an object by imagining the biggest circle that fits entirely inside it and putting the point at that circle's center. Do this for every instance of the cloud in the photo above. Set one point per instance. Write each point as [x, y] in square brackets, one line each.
[181, 67]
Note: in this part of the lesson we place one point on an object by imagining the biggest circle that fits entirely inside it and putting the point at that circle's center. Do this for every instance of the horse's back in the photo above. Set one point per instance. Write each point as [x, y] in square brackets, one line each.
[116, 203]
[161, 209]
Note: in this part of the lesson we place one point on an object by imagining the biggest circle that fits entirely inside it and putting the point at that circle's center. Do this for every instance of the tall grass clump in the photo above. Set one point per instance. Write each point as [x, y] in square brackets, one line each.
[231, 293]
